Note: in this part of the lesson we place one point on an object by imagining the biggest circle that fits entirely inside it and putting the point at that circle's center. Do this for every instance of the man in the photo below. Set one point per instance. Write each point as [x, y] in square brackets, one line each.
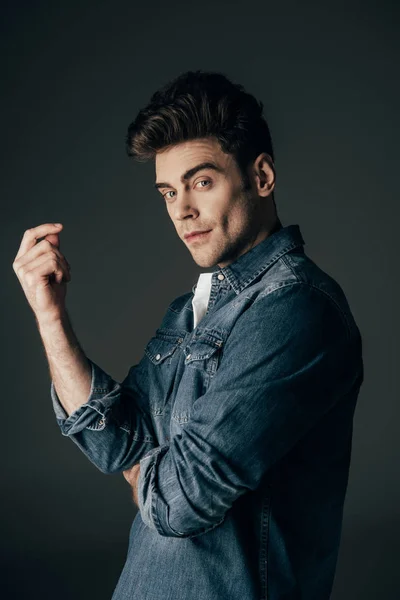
[234, 430]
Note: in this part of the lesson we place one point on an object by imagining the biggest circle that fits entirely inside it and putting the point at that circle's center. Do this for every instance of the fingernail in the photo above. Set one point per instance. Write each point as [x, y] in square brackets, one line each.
[57, 224]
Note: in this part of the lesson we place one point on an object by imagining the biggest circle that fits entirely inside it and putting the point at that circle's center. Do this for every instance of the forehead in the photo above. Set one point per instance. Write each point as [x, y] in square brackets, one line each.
[180, 157]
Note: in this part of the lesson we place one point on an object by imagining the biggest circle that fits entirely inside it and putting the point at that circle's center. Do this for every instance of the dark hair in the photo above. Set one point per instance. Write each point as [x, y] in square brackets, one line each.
[199, 104]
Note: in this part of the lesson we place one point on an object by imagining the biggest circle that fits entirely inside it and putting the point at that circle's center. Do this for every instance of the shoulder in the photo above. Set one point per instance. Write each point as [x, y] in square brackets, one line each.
[299, 285]
[300, 308]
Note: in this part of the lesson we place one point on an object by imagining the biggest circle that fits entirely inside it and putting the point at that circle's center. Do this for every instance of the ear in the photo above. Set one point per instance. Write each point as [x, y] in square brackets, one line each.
[264, 172]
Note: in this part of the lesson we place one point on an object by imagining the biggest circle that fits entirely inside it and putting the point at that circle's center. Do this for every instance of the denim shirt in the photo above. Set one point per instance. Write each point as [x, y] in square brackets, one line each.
[243, 429]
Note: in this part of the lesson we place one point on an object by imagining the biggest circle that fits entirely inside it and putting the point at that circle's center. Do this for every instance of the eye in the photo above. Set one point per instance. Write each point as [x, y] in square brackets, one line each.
[207, 181]
[203, 181]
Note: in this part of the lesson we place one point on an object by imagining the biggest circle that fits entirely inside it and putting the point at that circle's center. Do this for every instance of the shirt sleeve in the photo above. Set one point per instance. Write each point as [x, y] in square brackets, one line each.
[289, 358]
[112, 428]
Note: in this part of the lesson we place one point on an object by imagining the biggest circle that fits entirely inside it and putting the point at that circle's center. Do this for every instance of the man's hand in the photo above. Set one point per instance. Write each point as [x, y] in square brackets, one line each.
[132, 476]
[43, 271]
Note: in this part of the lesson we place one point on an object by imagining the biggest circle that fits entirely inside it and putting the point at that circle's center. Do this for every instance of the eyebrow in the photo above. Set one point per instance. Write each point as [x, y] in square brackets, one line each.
[190, 172]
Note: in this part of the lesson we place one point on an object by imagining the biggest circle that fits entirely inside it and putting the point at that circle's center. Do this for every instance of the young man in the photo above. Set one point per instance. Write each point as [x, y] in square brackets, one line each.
[235, 428]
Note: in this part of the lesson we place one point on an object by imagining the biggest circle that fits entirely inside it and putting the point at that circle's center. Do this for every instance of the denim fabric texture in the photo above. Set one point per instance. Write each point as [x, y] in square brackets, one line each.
[243, 430]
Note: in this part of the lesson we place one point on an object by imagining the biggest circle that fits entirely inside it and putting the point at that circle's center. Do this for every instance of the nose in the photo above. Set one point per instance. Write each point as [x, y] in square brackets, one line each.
[184, 207]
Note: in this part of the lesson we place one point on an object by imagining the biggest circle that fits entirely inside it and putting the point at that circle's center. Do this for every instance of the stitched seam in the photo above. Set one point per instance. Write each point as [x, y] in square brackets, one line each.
[271, 261]
[265, 514]
[287, 262]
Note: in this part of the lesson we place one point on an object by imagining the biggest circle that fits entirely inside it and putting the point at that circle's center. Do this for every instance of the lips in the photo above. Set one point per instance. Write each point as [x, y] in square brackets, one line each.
[188, 236]
[201, 235]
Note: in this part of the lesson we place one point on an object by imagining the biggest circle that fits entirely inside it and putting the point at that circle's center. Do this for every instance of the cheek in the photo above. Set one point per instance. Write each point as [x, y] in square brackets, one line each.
[233, 217]
[223, 210]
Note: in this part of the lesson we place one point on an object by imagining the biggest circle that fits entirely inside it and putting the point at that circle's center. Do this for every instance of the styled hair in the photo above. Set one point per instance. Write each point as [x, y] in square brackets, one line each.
[200, 104]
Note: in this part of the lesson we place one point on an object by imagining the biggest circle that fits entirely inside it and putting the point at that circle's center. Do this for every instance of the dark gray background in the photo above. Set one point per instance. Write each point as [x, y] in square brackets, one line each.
[74, 75]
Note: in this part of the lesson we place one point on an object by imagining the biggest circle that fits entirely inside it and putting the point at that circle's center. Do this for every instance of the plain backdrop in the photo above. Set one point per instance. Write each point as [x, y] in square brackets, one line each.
[73, 76]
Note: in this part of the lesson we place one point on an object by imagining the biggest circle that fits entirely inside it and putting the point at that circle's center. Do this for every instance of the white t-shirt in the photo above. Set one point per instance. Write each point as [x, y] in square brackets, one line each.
[201, 297]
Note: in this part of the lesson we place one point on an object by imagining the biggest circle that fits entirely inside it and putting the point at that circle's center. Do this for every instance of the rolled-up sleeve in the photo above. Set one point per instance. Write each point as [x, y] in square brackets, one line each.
[289, 358]
[112, 428]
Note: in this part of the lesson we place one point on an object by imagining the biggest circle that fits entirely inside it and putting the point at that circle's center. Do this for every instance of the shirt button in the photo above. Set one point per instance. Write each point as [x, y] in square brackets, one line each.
[158, 356]
[221, 277]
[101, 422]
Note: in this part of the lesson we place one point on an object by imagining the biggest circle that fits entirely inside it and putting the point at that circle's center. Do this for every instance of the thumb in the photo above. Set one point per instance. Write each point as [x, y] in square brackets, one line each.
[54, 239]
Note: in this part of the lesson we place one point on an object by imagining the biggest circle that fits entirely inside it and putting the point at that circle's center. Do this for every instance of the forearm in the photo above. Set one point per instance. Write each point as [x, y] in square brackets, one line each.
[69, 368]
[108, 420]
[112, 427]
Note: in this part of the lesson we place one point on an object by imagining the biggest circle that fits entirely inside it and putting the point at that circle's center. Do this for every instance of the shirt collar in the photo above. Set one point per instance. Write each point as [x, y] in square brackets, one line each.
[242, 272]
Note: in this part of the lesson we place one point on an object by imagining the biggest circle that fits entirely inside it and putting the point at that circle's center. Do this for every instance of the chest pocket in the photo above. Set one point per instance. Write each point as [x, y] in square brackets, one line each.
[202, 355]
[162, 351]
[204, 350]
[162, 346]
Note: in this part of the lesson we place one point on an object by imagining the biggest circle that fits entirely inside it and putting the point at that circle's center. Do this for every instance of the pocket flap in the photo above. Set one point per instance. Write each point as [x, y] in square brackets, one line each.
[203, 345]
[162, 345]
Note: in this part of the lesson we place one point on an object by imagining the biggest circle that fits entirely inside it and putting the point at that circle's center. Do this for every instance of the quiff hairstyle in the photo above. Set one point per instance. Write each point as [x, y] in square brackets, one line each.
[200, 104]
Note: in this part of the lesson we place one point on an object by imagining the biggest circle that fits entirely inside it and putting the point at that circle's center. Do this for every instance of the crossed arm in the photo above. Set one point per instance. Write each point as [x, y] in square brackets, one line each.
[301, 359]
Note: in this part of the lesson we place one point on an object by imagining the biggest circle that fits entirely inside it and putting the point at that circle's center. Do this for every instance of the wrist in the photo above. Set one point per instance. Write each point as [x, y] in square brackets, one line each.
[51, 321]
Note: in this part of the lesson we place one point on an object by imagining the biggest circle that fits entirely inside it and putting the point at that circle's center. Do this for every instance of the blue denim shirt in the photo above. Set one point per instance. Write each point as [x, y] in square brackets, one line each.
[243, 430]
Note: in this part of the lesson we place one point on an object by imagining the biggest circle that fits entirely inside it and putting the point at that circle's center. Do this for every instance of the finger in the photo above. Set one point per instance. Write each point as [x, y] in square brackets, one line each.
[43, 266]
[53, 238]
[42, 247]
[32, 235]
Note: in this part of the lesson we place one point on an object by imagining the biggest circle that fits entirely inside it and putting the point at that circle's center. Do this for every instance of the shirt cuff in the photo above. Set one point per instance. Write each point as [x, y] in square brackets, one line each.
[104, 390]
[154, 510]
[148, 495]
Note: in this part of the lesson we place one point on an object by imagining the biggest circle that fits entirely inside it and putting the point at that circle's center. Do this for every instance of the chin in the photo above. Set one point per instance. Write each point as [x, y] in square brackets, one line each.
[204, 262]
